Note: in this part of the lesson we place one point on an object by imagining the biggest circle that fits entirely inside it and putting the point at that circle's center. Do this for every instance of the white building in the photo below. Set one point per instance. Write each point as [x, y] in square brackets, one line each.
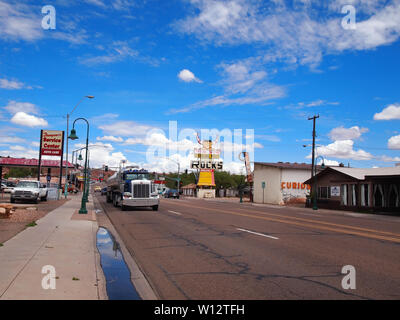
[281, 182]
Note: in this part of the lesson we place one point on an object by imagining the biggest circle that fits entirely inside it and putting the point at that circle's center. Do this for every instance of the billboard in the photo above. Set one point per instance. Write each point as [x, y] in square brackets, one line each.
[199, 164]
[52, 143]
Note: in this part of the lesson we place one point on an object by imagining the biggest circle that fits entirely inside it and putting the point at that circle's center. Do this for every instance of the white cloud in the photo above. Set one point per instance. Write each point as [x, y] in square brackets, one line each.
[110, 138]
[96, 3]
[118, 51]
[188, 76]
[13, 107]
[125, 128]
[244, 82]
[342, 133]
[165, 165]
[320, 102]
[11, 84]
[35, 144]
[20, 152]
[293, 34]
[24, 119]
[394, 143]
[391, 112]
[102, 154]
[343, 149]
[17, 21]
[388, 159]
[9, 140]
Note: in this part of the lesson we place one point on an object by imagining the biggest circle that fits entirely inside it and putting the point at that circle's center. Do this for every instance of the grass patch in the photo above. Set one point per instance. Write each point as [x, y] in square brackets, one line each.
[75, 279]
[1, 244]
[32, 224]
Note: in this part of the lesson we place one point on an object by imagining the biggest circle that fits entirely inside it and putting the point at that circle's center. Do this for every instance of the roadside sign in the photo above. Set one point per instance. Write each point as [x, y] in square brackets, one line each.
[52, 143]
[335, 191]
[263, 184]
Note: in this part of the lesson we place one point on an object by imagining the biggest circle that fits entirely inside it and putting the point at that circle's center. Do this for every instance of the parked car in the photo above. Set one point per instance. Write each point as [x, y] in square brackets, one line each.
[104, 191]
[29, 190]
[71, 189]
[9, 186]
[172, 193]
[97, 189]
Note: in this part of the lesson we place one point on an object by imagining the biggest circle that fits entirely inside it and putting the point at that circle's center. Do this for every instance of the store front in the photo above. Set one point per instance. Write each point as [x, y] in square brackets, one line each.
[371, 189]
[281, 183]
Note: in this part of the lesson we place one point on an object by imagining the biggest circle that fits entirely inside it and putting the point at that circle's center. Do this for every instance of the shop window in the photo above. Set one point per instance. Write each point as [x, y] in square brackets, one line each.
[324, 192]
[353, 195]
[393, 196]
[365, 195]
[344, 189]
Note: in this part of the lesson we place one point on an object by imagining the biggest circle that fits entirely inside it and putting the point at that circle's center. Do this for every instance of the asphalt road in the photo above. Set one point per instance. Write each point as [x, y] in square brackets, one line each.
[200, 249]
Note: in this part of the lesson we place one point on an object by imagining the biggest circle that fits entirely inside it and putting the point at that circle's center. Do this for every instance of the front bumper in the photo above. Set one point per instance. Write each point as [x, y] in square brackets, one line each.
[137, 202]
[24, 197]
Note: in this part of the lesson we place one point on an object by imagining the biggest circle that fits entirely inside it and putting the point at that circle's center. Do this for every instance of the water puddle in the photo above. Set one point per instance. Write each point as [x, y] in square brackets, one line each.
[118, 276]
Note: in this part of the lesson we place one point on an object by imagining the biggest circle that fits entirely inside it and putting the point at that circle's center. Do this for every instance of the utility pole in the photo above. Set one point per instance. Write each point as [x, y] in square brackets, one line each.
[313, 171]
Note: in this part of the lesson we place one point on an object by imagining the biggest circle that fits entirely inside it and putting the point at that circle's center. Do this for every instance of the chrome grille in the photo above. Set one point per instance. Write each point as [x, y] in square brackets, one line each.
[141, 190]
[23, 193]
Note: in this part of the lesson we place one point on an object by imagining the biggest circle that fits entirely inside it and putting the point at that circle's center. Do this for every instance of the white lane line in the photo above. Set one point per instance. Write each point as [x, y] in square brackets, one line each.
[258, 234]
[179, 214]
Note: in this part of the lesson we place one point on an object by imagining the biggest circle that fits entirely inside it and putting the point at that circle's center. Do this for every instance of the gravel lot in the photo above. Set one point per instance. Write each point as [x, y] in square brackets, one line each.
[21, 217]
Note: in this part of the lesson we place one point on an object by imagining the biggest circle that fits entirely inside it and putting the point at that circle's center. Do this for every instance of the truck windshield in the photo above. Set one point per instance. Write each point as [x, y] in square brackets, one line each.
[27, 184]
[136, 176]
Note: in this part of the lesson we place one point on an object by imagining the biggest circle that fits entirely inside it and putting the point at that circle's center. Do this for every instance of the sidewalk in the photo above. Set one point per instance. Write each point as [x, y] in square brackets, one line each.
[69, 245]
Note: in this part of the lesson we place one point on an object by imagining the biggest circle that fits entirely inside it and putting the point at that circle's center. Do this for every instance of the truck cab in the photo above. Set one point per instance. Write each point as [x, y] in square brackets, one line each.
[29, 190]
[132, 188]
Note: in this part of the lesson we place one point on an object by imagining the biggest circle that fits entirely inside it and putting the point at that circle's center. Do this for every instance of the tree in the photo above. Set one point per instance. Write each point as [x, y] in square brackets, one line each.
[21, 173]
[223, 180]
[186, 178]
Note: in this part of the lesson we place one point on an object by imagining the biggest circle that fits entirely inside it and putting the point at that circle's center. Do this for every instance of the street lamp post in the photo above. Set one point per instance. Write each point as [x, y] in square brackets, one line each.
[73, 136]
[315, 207]
[66, 162]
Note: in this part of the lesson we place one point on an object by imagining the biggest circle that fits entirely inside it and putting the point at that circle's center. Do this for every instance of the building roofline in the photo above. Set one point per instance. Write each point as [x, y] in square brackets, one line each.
[287, 165]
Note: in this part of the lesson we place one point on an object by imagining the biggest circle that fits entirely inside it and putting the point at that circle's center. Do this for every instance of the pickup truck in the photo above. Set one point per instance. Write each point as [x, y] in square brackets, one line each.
[29, 190]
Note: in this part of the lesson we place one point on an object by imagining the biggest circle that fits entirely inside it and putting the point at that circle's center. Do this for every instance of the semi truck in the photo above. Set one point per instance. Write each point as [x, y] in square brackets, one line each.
[130, 187]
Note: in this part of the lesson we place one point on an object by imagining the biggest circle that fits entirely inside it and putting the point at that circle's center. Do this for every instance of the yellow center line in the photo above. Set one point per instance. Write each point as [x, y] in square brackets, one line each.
[340, 229]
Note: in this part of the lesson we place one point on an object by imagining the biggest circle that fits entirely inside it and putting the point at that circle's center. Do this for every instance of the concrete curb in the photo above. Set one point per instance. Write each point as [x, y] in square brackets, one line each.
[101, 279]
[138, 278]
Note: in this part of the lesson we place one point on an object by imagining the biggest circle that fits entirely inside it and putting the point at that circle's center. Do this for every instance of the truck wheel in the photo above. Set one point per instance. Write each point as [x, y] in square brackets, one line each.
[115, 200]
[12, 200]
[123, 208]
[44, 198]
[155, 208]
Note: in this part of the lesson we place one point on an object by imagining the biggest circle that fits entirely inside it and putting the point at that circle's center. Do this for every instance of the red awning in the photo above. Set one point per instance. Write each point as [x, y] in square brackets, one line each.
[5, 161]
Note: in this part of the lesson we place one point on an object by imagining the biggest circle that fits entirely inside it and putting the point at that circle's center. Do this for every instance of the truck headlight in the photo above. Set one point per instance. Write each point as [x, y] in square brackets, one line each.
[127, 195]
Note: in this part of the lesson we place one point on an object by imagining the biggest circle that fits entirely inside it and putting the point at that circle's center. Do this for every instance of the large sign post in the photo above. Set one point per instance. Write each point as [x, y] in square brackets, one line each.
[51, 144]
[206, 163]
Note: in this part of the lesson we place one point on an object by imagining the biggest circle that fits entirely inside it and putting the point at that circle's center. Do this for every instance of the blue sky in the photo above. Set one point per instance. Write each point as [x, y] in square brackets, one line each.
[206, 64]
